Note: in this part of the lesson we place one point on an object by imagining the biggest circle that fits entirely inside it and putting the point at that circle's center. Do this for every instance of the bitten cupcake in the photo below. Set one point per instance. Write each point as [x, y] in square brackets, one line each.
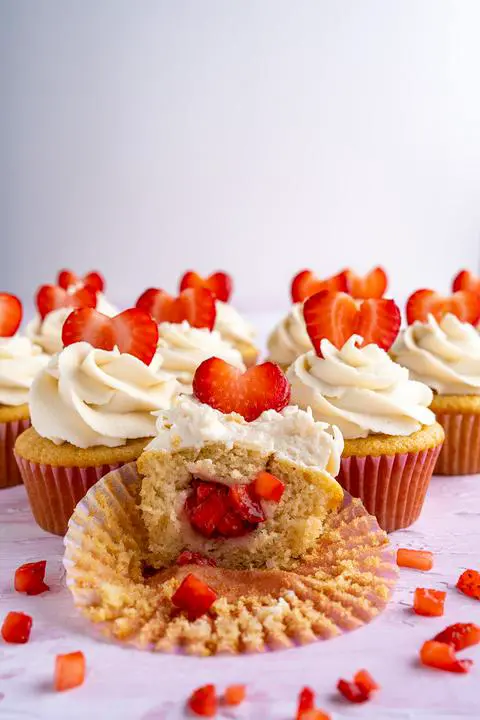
[391, 438]
[91, 409]
[441, 347]
[20, 361]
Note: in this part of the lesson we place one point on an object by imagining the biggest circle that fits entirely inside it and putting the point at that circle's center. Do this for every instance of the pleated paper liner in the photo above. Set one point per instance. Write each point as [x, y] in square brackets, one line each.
[460, 454]
[9, 472]
[344, 584]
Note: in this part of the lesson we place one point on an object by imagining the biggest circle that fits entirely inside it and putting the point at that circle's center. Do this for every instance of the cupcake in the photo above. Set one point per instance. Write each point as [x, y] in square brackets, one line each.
[391, 438]
[442, 350]
[20, 361]
[186, 335]
[228, 322]
[289, 339]
[91, 409]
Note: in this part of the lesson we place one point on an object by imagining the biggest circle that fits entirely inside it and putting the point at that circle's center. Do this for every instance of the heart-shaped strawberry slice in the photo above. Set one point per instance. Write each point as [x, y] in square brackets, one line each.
[466, 280]
[465, 304]
[196, 305]
[337, 316]
[372, 285]
[93, 279]
[132, 331]
[305, 284]
[53, 297]
[11, 313]
[219, 283]
[225, 388]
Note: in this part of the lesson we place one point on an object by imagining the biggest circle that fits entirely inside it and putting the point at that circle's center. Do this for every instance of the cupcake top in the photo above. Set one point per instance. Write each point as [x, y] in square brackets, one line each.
[88, 396]
[444, 354]
[20, 361]
[289, 339]
[231, 325]
[360, 389]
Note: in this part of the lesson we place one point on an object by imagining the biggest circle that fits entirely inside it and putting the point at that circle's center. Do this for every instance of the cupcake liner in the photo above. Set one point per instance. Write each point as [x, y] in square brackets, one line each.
[392, 487]
[9, 472]
[344, 583]
[54, 492]
[460, 454]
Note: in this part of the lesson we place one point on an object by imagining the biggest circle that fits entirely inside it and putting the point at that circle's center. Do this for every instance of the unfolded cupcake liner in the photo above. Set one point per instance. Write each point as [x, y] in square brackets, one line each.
[54, 492]
[344, 583]
[9, 472]
[460, 454]
[391, 487]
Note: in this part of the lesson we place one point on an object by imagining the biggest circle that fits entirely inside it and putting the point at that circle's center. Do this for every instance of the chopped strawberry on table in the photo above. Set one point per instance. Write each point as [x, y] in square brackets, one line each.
[306, 701]
[16, 628]
[204, 701]
[69, 671]
[442, 656]
[219, 283]
[416, 559]
[194, 597]
[360, 690]
[30, 578]
[365, 681]
[460, 635]
[469, 584]
[429, 602]
[234, 695]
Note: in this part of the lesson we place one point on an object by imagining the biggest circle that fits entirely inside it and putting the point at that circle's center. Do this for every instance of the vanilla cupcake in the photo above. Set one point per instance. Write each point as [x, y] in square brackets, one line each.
[235, 330]
[289, 339]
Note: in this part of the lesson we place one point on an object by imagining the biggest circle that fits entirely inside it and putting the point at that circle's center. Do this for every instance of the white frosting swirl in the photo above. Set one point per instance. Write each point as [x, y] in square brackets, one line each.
[89, 397]
[20, 361]
[182, 348]
[291, 433]
[445, 355]
[231, 325]
[289, 338]
[361, 390]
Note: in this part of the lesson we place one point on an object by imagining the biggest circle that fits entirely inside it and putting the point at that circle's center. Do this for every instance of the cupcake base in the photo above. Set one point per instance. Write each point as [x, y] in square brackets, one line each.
[13, 422]
[460, 454]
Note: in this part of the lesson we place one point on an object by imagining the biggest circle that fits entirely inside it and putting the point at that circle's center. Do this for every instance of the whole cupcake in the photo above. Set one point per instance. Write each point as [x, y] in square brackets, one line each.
[186, 334]
[91, 409]
[391, 438]
[20, 361]
[228, 322]
[441, 347]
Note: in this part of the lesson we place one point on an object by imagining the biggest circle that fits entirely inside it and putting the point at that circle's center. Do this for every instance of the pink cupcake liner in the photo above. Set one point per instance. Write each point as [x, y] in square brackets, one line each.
[9, 472]
[391, 487]
[54, 492]
[460, 454]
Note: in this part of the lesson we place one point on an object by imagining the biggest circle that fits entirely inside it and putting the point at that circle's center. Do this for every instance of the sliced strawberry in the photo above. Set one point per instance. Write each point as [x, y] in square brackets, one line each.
[416, 559]
[204, 701]
[442, 656]
[460, 635]
[234, 695]
[132, 331]
[306, 702]
[69, 671]
[67, 278]
[219, 283]
[93, 279]
[245, 505]
[11, 313]
[196, 305]
[224, 387]
[337, 316]
[30, 578]
[372, 285]
[429, 602]
[194, 558]
[469, 584]
[305, 284]
[466, 280]
[194, 597]
[352, 692]
[365, 681]
[53, 297]
[268, 487]
[465, 304]
[206, 515]
[16, 628]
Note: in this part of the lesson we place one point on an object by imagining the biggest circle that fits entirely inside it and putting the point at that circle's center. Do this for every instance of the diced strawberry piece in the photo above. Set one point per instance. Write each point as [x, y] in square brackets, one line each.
[429, 602]
[204, 701]
[206, 515]
[337, 316]
[29, 578]
[314, 714]
[305, 284]
[245, 505]
[268, 487]
[204, 489]
[195, 305]
[352, 692]
[16, 627]
[231, 525]
[194, 597]
[469, 584]
[416, 559]
[465, 304]
[194, 558]
[365, 681]
[132, 331]
[234, 695]
[52, 297]
[306, 702]
[372, 285]
[69, 671]
[224, 387]
[460, 635]
[442, 656]
[93, 279]
[11, 313]
[466, 280]
[219, 283]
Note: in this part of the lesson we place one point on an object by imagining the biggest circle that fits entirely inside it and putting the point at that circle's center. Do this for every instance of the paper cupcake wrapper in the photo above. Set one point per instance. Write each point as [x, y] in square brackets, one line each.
[9, 472]
[344, 584]
[392, 487]
[460, 454]
[54, 492]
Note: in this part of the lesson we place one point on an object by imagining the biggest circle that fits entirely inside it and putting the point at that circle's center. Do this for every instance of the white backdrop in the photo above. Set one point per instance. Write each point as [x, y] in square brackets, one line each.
[143, 137]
